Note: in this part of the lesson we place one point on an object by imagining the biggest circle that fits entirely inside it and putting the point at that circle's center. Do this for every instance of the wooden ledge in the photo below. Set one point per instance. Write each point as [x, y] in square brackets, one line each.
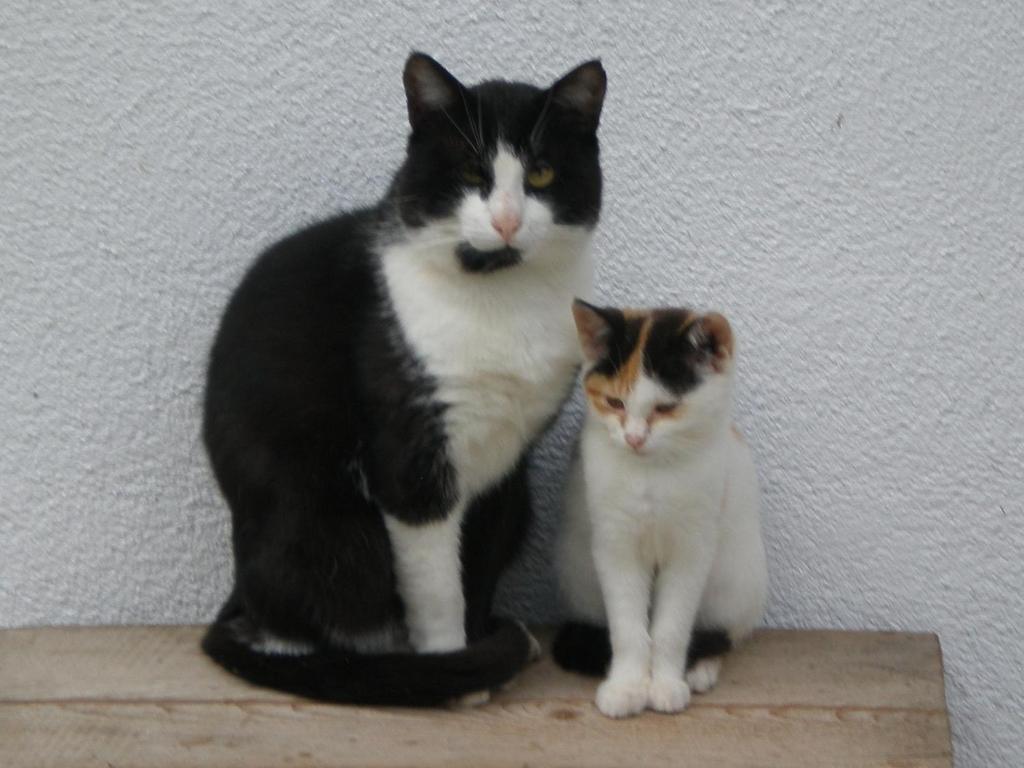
[146, 696]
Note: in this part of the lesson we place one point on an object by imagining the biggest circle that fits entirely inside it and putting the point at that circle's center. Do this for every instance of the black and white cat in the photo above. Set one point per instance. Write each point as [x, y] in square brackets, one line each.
[375, 385]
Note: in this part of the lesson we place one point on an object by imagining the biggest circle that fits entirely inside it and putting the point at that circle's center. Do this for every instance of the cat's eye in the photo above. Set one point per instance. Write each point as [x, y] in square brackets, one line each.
[614, 402]
[664, 408]
[472, 176]
[540, 176]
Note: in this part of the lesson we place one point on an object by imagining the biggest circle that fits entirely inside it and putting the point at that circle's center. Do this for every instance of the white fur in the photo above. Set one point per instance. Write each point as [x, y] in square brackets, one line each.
[704, 675]
[386, 640]
[279, 646]
[501, 348]
[475, 213]
[661, 539]
[430, 581]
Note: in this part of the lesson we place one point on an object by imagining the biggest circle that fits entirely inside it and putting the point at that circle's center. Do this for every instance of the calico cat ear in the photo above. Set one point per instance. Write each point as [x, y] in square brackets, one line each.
[711, 335]
[429, 87]
[593, 328]
[582, 90]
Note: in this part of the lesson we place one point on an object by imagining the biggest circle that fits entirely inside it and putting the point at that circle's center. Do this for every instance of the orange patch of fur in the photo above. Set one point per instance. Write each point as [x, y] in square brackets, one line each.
[719, 329]
[631, 369]
[599, 387]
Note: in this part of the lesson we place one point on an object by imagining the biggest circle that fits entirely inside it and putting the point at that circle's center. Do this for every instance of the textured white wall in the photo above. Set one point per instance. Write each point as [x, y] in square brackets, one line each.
[845, 180]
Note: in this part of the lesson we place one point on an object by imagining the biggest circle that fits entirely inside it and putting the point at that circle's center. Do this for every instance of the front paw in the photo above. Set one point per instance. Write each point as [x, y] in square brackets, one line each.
[622, 697]
[668, 695]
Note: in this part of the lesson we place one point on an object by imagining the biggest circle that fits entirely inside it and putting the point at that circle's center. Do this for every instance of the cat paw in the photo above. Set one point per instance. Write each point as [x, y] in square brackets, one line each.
[703, 676]
[469, 700]
[622, 698]
[668, 695]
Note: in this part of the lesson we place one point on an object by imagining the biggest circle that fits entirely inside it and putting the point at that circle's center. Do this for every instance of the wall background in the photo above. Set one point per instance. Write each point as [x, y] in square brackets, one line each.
[845, 180]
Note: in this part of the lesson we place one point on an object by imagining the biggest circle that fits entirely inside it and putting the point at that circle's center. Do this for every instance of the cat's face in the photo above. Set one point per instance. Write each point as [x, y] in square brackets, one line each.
[500, 170]
[658, 378]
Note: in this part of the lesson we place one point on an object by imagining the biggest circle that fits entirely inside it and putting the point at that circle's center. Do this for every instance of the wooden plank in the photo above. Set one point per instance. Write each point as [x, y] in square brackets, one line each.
[145, 696]
[827, 668]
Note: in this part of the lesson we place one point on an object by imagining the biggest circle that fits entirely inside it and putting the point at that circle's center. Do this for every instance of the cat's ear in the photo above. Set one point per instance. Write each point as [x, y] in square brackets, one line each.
[711, 335]
[429, 87]
[593, 328]
[582, 91]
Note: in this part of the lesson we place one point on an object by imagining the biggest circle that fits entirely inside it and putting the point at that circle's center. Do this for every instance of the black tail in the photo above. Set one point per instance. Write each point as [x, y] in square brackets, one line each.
[587, 649]
[583, 648]
[400, 679]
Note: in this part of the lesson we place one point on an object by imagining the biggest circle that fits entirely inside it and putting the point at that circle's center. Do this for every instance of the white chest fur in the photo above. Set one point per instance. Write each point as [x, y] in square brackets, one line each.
[501, 347]
[665, 504]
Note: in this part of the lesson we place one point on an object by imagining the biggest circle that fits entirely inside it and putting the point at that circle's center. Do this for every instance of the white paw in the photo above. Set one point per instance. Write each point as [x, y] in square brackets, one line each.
[703, 676]
[668, 695]
[622, 697]
[475, 699]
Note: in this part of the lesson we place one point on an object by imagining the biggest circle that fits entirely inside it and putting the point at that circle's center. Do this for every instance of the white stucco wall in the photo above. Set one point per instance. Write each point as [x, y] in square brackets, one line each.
[846, 181]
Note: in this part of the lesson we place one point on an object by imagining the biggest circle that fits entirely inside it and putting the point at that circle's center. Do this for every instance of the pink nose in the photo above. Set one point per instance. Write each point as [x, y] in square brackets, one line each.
[636, 442]
[506, 225]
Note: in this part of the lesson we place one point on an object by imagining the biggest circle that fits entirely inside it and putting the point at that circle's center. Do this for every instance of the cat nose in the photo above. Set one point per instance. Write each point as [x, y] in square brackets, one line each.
[636, 442]
[506, 224]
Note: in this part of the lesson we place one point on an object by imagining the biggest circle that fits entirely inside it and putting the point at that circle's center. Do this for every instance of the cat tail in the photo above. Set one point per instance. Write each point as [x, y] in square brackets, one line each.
[583, 648]
[587, 648]
[399, 679]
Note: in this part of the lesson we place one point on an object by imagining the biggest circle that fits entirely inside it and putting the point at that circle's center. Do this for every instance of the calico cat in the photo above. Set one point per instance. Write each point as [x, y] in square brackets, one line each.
[662, 539]
[373, 390]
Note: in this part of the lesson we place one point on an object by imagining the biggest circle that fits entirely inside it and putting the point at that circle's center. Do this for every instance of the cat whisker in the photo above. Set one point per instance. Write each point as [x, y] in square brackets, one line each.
[478, 145]
[461, 132]
[538, 127]
[480, 121]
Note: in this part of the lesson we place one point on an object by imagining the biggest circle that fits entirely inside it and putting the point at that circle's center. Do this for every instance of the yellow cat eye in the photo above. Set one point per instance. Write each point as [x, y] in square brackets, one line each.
[472, 176]
[614, 402]
[664, 408]
[540, 176]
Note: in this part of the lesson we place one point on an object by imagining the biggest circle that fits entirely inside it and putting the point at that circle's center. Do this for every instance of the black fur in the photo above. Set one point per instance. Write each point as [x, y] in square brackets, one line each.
[583, 648]
[464, 136]
[623, 336]
[473, 260]
[318, 416]
[587, 648]
[394, 679]
[670, 355]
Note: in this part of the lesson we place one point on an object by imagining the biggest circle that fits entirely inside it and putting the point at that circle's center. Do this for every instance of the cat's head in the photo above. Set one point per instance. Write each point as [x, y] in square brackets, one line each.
[500, 170]
[656, 378]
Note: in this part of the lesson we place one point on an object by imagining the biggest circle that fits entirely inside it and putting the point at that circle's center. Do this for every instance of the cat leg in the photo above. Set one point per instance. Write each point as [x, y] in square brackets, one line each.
[493, 531]
[626, 585]
[680, 583]
[429, 581]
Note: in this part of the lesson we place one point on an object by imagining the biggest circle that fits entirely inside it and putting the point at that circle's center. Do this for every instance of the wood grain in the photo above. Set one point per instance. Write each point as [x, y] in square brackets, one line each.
[145, 696]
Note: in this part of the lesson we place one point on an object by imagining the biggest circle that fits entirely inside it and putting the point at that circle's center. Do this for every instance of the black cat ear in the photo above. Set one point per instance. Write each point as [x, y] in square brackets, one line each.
[593, 328]
[582, 91]
[429, 87]
[711, 335]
